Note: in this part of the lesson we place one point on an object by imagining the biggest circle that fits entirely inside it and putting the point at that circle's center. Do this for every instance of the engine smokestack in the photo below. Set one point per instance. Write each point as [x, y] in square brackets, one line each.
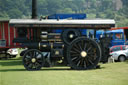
[34, 9]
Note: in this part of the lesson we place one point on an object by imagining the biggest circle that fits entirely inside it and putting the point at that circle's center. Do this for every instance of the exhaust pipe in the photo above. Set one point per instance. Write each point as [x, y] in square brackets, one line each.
[34, 9]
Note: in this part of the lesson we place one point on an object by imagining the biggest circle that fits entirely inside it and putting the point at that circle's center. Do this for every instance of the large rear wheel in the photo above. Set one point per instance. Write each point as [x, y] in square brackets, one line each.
[83, 53]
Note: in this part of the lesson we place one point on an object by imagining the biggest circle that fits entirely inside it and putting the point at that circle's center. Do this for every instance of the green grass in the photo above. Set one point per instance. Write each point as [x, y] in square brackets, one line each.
[12, 72]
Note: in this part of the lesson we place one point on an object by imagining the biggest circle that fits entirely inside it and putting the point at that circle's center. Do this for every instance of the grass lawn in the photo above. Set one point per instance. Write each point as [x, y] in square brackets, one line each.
[12, 72]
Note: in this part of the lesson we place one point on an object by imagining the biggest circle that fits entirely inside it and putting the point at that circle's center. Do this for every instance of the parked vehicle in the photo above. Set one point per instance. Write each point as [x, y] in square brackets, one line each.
[12, 52]
[7, 34]
[117, 36]
[119, 53]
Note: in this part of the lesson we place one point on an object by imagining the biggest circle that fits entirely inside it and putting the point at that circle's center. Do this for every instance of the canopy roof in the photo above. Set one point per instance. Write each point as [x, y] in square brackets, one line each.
[65, 23]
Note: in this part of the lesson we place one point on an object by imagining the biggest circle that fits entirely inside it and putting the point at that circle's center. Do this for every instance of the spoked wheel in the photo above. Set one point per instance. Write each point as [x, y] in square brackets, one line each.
[33, 59]
[83, 53]
[69, 35]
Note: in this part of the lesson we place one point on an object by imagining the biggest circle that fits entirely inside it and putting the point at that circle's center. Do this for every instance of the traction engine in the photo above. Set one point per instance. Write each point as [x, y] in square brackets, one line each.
[45, 46]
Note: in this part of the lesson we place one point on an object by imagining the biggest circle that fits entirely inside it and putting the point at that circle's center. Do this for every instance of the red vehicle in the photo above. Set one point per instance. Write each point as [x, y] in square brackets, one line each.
[117, 48]
[6, 40]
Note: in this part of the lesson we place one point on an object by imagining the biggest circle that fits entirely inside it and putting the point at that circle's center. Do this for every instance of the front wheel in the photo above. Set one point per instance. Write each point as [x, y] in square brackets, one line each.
[33, 60]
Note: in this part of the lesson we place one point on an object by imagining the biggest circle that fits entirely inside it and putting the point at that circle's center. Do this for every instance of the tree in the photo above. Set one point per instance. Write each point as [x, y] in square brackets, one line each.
[93, 8]
[13, 13]
[125, 2]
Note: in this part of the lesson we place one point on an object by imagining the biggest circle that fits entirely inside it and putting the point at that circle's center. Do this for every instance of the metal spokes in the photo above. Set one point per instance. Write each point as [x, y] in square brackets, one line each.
[33, 60]
[84, 53]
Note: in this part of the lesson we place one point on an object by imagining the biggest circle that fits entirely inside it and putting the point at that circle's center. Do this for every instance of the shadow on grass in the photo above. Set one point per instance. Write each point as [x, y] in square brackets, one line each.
[10, 62]
[12, 70]
[17, 58]
[46, 69]
[69, 69]
[19, 63]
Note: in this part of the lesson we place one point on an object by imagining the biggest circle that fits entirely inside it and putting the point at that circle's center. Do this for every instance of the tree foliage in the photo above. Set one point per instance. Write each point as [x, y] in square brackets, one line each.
[93, 8]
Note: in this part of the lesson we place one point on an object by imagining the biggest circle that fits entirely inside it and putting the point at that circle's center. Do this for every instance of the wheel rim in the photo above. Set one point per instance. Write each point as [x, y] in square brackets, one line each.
[33, 60]
[69, 35]
[84, 53]
[122, 58]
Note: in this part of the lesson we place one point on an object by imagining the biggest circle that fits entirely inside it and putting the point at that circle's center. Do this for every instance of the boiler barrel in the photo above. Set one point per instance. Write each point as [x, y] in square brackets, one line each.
[37, 45]
[43, 46]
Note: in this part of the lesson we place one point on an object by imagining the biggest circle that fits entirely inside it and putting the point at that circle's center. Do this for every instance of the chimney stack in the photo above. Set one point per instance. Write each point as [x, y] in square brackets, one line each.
[34, 9]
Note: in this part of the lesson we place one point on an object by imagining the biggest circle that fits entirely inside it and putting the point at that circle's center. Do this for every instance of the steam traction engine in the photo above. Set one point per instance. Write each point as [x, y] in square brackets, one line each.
[45, 45]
